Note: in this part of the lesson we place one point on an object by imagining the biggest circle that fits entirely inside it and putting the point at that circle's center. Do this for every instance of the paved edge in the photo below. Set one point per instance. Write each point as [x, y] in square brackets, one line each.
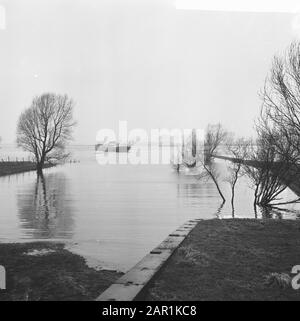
[130, 285]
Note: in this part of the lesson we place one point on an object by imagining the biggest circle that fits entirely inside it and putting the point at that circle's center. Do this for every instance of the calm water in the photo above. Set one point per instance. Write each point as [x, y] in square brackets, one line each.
[113, 214]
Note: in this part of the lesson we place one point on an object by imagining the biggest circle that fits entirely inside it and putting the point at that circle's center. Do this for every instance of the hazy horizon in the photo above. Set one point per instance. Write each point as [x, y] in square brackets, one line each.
[144, 62]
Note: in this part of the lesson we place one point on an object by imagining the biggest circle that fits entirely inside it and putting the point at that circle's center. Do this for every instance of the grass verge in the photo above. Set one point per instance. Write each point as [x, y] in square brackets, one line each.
[232, 260]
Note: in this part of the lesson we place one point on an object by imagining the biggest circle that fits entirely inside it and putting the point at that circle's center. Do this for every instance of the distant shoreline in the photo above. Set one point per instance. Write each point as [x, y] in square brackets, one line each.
[10, 168]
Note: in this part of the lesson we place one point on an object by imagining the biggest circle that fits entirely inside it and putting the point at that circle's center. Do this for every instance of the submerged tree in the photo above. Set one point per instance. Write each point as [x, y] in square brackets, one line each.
[213, 173]
[277, 152]
[280, 115]
[269, 172]
[238, 149]
[45, 128]
[215, 136]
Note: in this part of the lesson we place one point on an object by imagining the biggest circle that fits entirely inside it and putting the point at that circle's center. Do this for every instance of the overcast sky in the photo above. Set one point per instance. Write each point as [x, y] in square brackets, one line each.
[140, 61]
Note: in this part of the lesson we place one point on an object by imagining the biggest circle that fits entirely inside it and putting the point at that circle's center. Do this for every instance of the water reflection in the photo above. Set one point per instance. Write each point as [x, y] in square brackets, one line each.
[43, 208]
[219, 210]
[117, 214]
[233, 210]
[255, 211]
[278, 213]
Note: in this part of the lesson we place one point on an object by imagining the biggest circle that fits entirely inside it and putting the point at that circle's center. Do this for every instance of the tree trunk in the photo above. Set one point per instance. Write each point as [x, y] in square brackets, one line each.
[216, 183]
[218, 188]
[40, 165]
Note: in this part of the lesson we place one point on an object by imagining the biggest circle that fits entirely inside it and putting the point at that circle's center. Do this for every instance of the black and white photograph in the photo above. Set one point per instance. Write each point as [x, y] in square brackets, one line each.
[149, 153]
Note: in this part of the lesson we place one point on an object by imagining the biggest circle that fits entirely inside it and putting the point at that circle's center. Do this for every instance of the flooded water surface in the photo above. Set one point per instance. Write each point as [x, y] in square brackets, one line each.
[112, 214]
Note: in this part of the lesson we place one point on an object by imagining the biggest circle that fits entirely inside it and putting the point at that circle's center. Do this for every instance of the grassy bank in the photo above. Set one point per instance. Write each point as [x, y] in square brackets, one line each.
[232, 260]
[46, 271]
[9, 168]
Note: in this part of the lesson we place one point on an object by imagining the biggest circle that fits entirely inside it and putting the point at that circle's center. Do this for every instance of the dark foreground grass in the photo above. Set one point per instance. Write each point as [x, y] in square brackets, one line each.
[9, 168]
[56, 275]
[232, 260]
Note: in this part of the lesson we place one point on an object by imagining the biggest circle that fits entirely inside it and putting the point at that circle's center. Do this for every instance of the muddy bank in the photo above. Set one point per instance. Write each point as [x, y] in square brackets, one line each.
[47, 271]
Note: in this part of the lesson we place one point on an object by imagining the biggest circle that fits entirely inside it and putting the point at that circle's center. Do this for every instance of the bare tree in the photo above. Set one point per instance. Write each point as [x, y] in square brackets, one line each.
[214, 174]
[277, 154]
[45, 127]
[280, 115]
[215, 136]
[269, 172]
[238, 149]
